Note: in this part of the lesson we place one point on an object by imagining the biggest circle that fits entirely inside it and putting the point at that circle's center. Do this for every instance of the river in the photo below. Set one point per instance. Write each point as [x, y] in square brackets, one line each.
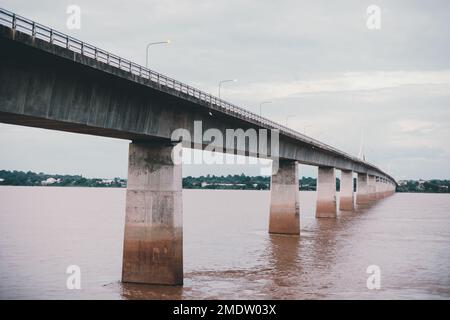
[228, 253]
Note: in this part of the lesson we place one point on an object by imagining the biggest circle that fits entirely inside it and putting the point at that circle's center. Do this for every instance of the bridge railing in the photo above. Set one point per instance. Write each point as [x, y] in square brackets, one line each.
[52, 36]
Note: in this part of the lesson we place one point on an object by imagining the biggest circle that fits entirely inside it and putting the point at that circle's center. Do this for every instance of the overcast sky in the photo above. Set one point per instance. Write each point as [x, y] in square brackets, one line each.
[315, 60]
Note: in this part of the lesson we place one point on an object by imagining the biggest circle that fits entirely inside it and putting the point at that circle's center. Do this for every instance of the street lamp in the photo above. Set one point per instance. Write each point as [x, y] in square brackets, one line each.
[223, 81]
[260, 106]
[151, 44]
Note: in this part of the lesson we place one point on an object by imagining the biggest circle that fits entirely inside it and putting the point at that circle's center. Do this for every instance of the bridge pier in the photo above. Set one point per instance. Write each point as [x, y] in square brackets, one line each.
[153, 242]
[392, 189]
[380, 186]
[346, 198]
[326, 193]
[362, 192]
[284, 199]
[383, 188]
[376, 184]
[372, 188]
[388, 188]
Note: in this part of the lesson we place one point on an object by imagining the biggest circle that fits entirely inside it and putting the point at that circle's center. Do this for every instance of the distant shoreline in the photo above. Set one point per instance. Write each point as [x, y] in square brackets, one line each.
[208, 182]
[204, 189]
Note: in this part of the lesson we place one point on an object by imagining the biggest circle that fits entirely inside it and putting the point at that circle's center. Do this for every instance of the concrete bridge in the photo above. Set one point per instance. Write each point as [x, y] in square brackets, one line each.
[53, 81]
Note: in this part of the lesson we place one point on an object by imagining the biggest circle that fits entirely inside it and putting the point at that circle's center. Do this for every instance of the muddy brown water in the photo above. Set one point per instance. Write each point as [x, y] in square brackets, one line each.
[228, 253]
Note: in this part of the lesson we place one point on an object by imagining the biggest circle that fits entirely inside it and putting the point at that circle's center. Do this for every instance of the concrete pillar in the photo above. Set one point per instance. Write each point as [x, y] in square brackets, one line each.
[371, 183]
[378, 188]
[346, 201]
[153, 244]
[381, 189]
[284, 199]
[326, 193]
[385, 188]
[362, 192]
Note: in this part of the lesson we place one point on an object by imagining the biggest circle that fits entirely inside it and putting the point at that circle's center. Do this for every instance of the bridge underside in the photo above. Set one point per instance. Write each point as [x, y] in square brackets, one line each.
[43, 123]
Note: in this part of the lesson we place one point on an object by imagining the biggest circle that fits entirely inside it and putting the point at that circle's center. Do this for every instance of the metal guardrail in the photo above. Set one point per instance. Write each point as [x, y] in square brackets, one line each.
[52, 36]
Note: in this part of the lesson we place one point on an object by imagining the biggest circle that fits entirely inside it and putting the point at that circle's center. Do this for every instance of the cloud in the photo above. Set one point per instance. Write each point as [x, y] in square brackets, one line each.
[416, 126]
[416, 152]
[345, 82]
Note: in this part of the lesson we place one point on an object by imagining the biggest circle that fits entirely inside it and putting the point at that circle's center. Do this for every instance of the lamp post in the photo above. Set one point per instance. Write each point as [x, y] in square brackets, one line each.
[151, 44]
[260, 106]
[224, 81]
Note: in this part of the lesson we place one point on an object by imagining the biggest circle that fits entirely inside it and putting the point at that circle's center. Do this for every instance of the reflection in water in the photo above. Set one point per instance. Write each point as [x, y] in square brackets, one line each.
[140, 291]
[284, 259]
[228, 253]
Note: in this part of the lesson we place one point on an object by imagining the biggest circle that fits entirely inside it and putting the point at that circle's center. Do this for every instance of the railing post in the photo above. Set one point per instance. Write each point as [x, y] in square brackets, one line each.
[14, 22]
[33, 29]
[51, 35]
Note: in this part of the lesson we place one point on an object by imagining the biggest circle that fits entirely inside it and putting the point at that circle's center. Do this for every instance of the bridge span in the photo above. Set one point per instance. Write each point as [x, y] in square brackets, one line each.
[53, 81]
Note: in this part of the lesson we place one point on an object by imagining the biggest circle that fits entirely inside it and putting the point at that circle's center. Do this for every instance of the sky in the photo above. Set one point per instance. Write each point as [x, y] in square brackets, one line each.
[386, 90]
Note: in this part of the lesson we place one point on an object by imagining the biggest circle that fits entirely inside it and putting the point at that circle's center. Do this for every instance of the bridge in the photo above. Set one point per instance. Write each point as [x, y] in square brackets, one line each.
[53, 81]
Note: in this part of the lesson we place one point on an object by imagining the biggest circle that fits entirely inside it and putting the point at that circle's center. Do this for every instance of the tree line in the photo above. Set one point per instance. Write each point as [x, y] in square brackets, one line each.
[233, 182]
[29, 178]
[430, 186]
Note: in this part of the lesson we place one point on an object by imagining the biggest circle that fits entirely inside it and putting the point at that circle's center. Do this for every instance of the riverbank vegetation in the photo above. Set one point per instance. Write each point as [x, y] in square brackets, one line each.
[231, 182]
